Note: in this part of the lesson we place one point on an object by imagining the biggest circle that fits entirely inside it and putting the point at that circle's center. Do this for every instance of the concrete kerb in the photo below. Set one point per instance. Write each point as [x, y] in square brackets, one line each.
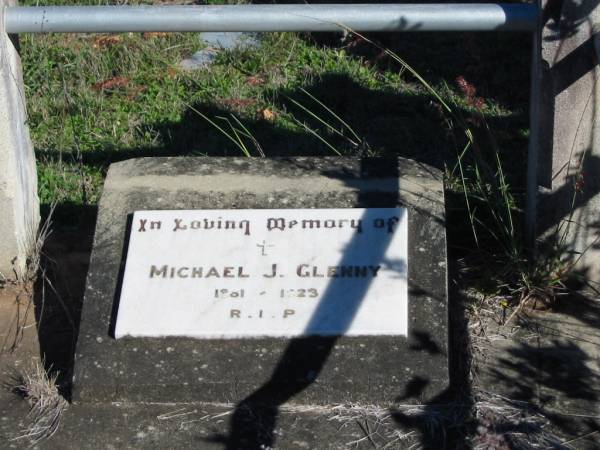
[19, 203]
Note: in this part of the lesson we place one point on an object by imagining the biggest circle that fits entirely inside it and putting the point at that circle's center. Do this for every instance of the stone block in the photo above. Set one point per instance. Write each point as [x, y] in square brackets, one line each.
[306, 370]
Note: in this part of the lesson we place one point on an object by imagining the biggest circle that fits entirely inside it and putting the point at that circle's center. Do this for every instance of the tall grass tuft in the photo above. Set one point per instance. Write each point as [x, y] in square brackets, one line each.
[46, 405]
[491, 206]
[354, 140]
[237, 132]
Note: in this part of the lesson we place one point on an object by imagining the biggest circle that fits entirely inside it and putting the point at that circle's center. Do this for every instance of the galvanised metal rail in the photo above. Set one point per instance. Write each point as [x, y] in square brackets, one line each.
[267, 18]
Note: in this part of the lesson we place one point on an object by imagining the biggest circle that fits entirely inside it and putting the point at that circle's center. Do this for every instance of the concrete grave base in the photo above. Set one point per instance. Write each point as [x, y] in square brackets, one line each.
[311, 370]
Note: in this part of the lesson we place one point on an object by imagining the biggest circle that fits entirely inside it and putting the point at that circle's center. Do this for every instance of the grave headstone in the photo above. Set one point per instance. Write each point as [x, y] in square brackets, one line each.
[265, 272]
[212, 278]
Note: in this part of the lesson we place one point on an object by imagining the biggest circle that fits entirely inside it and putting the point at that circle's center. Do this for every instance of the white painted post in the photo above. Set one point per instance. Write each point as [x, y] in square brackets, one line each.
[19, 204]
[569, 153]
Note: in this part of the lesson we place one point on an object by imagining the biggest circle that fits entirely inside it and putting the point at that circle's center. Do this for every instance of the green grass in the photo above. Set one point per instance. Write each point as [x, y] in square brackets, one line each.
[97, 99]
[79, 128]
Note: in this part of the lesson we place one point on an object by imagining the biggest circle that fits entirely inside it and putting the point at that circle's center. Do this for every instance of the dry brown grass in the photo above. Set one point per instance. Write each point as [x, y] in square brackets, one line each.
[508, 423]
[46, 404]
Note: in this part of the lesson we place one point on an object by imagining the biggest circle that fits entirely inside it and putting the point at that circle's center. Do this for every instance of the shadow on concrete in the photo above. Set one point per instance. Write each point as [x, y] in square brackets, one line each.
[568, 162]
[253, 422]
[556, 375]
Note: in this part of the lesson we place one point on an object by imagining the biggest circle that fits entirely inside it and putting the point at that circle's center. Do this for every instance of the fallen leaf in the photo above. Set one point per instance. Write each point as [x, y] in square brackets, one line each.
[266, 114]
[172, 72]
[111, 83]
[255, 80]
[135, 91]
[106, 40]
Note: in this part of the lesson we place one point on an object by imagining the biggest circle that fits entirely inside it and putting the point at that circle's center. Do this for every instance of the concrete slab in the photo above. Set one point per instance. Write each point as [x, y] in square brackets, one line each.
[550, 361]
[312, 370]
[205, 426]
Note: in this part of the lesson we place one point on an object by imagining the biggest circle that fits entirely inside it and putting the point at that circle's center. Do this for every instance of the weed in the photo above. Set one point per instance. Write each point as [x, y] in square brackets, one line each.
[46, 404]
[96, 99]
[236, 133]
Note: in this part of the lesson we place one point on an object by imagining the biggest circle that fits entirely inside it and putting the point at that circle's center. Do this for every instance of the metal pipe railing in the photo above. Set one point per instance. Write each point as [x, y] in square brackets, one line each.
[284, 17]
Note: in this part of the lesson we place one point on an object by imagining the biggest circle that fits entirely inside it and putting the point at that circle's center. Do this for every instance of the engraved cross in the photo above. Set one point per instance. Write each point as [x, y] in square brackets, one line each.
[263, 247]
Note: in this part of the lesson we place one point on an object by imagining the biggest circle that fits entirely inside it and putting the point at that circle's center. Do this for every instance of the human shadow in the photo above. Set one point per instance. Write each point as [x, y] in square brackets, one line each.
[254, 418]
[434, 55]
[445, 420]
[304, 360]
[370, 113]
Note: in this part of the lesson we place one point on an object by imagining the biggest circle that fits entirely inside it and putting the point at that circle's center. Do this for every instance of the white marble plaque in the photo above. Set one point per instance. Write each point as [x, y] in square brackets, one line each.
[265, 272]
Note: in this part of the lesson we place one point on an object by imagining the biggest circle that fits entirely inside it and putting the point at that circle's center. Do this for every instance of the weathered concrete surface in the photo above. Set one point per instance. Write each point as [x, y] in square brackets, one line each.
[551, 361]
[203, 426]
[215, 42]
[19, 205]
[13, 415]
[569, 159]
[373, 370]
